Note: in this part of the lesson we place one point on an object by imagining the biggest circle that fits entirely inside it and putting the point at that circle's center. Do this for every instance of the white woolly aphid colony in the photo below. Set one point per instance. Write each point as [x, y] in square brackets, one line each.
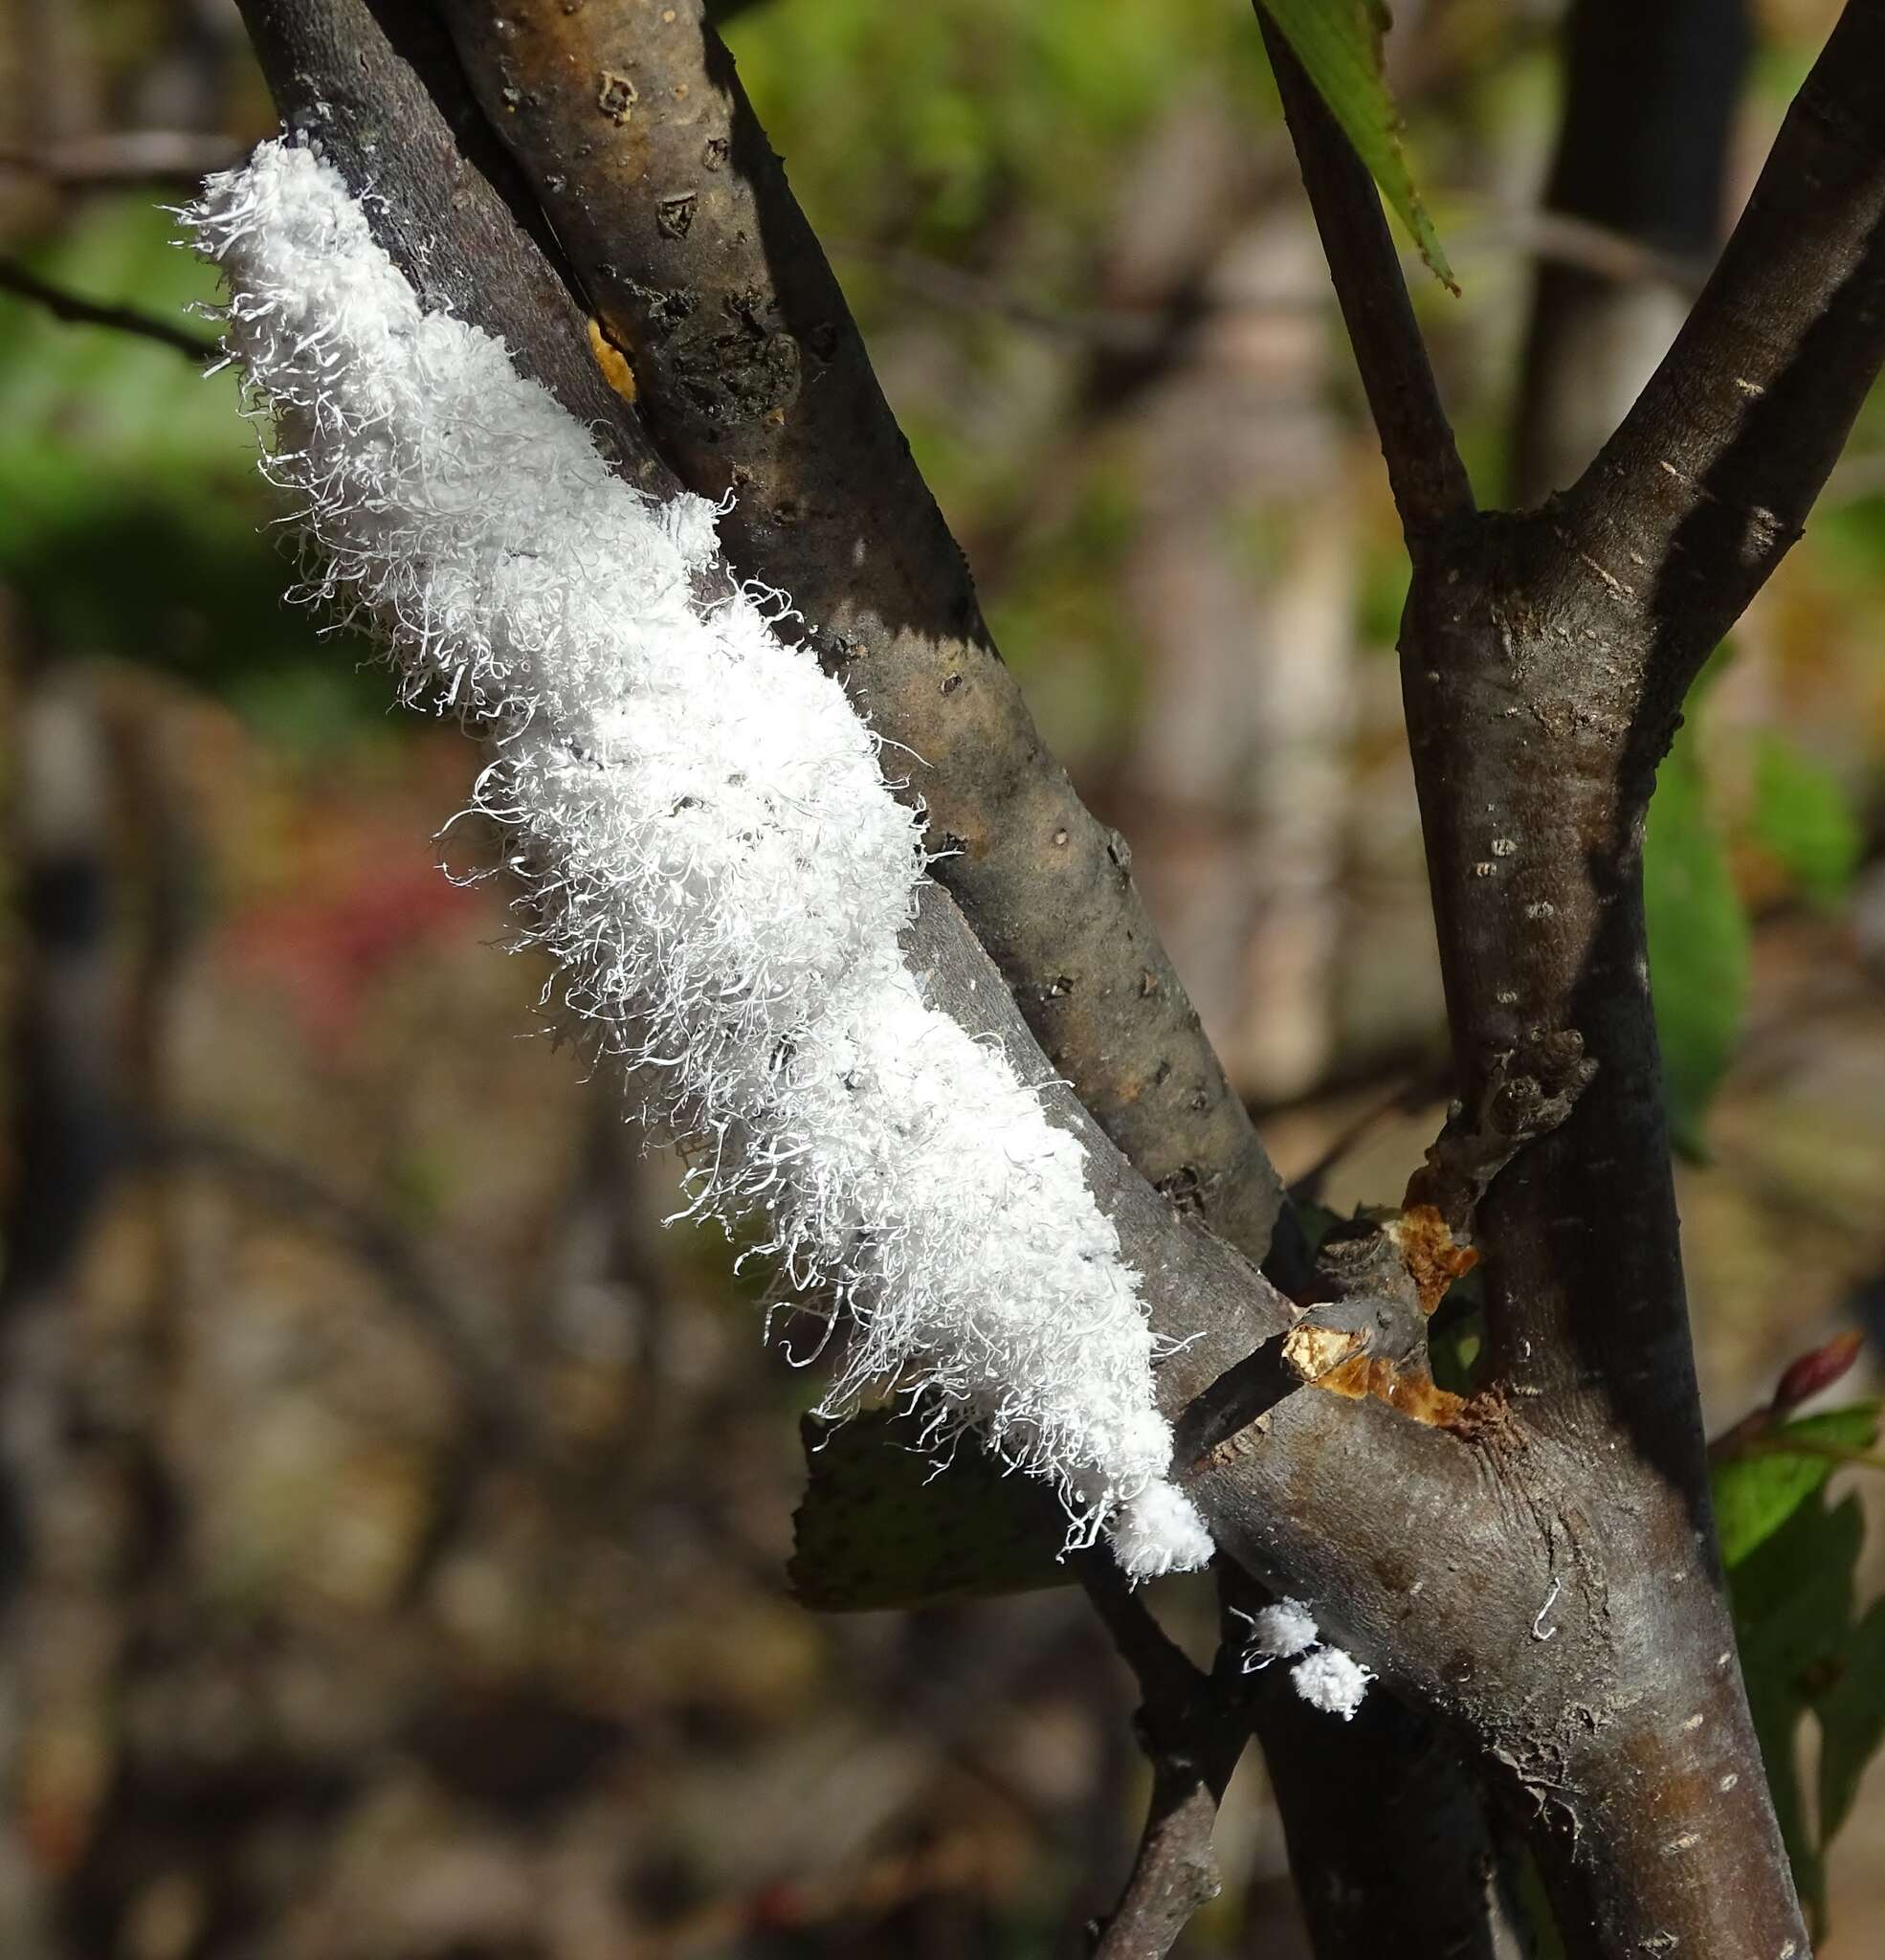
[1323, 1676]
[709, 853]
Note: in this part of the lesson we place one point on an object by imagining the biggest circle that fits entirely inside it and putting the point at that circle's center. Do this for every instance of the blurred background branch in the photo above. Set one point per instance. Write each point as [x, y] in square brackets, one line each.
[23, 284]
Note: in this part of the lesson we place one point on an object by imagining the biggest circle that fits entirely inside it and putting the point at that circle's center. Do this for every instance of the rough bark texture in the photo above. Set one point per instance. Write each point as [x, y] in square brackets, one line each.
[484, 274]
[1424, 469]
[1192, 1726]
[632, 128]
[374, 86]
[1535, 865]
[1545, 664]
[1534, 1570]
[1422, 1884]
[1193, 1276]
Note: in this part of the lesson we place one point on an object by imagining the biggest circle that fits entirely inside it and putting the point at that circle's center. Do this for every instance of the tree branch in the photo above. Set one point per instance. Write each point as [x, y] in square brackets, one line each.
[1707, 483]
[1294, 1492]
[1358, 1787]
[1401, 1866]
[376, 84]
[1398, 1865]
[1192, 1730]
[1549, 1597]
[1429, 482]
[26, 285]
[111, 158]
[1642, 159]
[340, 79]
[632, 128]
[1544, 663]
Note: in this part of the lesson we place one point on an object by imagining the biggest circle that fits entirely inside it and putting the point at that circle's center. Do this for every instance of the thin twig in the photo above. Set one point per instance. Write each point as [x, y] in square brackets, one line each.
[14, 278]
[1429, 480]
[119, 157]
[1561, 238]
[1410, 1096]
[1139, 332]
[1192, 1729]
[1128, 332]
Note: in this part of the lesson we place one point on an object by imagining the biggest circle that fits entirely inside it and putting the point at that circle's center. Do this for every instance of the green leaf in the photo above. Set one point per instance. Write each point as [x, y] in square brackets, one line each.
[1760, 1487]
[1757, 1489]
[1803, 817]
[1699, 943]
[1851, 1717]
[1754, 1495]
[1793, 1597]
[880, 1526]
[1338, 44]
[1533, 1904]
[1793, 1609]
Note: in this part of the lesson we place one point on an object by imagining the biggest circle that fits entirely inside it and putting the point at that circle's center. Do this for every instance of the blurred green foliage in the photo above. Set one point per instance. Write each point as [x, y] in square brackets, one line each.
[136, 525]
[1338, 44]
[1803, 818]
[999, 136]
[980, 112]
[1699, 942]
[1806, 1648]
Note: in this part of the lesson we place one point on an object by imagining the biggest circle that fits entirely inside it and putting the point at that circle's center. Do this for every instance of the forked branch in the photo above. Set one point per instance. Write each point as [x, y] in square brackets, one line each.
[1429, 480]
[1432, 1548]
[1707, 483]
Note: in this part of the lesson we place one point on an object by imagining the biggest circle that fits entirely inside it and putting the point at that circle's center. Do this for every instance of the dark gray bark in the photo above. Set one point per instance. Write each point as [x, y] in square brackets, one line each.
[24, 284]
[1533, 1569]
[1544, 665]
[375, 86]
[1411, 1870]
[1192, 1726]
[632, 128]
[753, 377]
[1545, 662]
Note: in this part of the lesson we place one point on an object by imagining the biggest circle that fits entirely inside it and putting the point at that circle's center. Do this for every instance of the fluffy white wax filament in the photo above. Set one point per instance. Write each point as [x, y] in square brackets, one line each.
[710, 854]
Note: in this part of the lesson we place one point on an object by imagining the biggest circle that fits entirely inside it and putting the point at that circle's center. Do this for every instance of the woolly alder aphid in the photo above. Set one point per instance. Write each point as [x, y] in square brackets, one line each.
[1323, 1676]
[708, 852]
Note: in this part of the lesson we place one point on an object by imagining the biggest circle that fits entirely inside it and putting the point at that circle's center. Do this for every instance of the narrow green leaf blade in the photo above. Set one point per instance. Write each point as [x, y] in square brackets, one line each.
[1338, 44]
[1852, 1720]
[1804, 818]
[1699, 943]
[1758, 1489]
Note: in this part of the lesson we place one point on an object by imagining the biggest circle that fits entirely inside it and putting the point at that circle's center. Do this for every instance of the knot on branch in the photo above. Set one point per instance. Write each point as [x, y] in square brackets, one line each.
[1524, 1093]
[1361, 1331]
[736, 368]
[1381, 1279]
